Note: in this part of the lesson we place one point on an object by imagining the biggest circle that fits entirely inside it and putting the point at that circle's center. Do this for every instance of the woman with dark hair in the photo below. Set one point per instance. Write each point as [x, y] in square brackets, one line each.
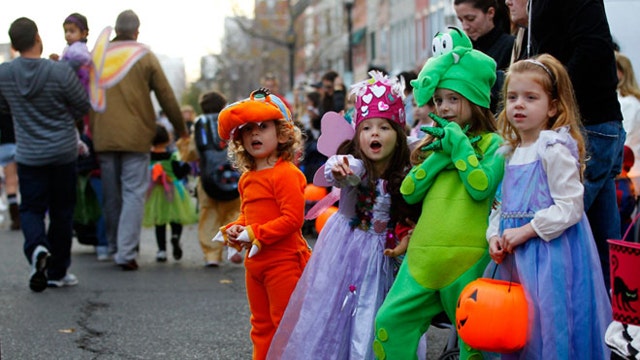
[487, 24]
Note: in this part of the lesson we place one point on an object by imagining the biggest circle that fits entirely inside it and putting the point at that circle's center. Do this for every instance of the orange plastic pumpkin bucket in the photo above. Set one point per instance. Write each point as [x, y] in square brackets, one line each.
[314, 193]
[322, 218]
[492, 315]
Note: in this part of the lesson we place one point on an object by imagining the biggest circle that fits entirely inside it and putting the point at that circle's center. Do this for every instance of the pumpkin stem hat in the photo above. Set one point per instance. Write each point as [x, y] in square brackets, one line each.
[260, 106]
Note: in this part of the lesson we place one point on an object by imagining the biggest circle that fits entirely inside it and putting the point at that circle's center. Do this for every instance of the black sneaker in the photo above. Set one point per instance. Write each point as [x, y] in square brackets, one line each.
[38, 277]
[177, 250]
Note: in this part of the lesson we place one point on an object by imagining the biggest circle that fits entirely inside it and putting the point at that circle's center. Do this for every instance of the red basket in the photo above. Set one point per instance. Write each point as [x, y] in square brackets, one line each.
[624, 257]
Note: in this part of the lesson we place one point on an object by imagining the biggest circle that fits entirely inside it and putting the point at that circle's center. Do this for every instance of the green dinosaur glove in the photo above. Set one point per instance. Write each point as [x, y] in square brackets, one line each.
[418, 181]
[439, 132]
[480, 169]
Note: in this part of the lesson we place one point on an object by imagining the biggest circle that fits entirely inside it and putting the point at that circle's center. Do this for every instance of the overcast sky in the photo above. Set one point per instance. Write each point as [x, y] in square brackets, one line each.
[186, 29]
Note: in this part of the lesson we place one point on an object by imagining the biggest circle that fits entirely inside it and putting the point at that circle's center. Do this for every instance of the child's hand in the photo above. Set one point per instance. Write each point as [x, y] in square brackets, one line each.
[83, 149]
[400, 249]
[54, 57]
[341, 169]
[511, 238]
[233, 232]
[495, 249]
[238, 238]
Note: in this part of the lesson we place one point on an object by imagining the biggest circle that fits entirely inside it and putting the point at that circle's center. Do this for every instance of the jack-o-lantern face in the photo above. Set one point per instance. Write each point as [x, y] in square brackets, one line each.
[492, 315]
[473, 297]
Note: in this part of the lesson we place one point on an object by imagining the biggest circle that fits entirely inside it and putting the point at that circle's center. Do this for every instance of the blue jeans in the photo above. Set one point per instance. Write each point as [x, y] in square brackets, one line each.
[604, 162]
[101, 234]
[52, 189]
[7, 153]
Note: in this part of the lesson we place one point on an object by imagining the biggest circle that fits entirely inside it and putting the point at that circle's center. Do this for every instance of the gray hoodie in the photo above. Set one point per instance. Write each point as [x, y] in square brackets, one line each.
[44, 97]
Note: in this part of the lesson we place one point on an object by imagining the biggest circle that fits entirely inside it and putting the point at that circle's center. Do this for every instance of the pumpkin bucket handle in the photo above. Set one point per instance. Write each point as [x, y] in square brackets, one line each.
[493, 275]
[635, 219]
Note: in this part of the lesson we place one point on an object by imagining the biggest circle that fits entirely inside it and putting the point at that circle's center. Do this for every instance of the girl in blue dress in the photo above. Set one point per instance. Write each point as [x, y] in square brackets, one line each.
[539, 234]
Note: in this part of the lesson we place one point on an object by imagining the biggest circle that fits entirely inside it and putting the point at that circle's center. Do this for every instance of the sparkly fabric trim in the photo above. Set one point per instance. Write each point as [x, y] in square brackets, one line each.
[517, 215]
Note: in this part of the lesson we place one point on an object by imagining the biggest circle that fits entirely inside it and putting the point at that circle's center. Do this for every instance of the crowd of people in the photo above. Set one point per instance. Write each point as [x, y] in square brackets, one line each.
[507, 130]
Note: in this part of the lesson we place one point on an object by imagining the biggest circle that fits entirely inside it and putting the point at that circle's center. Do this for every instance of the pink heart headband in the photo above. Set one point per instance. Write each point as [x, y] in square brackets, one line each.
[379, 97]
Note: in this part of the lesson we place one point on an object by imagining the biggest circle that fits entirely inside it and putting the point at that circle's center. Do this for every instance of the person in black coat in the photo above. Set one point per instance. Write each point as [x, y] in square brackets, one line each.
[487, 24]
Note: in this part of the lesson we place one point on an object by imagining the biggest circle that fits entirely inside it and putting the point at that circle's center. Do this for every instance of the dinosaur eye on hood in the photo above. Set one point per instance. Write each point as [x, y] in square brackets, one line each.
[442, 44]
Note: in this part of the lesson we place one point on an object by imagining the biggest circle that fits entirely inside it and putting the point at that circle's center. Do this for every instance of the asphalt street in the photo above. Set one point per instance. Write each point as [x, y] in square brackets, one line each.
[173, 310]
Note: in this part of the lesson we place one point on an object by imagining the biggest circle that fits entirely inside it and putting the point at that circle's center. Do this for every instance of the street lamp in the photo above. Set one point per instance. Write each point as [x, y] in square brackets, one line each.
[348, 4]
[291, 44]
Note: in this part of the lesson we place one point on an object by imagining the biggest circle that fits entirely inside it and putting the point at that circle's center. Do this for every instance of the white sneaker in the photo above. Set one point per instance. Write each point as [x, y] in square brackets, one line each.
[38, 275]
[67, 280]
[102, 253]
[161, 256]
[103, 257]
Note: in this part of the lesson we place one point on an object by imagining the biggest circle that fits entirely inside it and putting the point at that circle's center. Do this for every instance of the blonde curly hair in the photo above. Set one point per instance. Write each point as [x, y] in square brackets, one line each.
[288, 150]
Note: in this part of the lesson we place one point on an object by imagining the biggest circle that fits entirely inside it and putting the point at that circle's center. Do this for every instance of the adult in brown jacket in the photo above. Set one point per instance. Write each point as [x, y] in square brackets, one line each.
[122, 137]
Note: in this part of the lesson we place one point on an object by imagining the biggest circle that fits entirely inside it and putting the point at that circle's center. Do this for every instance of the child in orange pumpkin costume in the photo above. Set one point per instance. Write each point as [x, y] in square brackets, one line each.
[263, 143]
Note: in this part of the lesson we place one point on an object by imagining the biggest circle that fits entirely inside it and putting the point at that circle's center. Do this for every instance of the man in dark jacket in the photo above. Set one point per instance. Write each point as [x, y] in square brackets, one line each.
[44, 98]
[577, 33]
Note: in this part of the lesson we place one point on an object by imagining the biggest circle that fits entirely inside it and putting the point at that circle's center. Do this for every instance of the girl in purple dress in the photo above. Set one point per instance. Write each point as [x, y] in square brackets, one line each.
[331, 313]
[76, 30]
[539, 234]
[78, 56]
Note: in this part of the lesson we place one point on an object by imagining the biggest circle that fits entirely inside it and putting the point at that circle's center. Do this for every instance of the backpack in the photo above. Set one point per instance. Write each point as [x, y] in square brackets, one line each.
[218, 177]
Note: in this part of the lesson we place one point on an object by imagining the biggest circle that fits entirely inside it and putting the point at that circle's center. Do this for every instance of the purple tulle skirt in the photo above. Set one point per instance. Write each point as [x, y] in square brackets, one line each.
[331, 313]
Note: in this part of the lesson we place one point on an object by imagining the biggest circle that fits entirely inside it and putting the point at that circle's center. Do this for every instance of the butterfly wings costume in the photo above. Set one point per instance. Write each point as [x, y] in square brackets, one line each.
[111, 62]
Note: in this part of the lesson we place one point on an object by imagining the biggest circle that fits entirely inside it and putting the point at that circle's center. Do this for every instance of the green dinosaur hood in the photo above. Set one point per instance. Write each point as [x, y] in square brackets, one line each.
[456, 66]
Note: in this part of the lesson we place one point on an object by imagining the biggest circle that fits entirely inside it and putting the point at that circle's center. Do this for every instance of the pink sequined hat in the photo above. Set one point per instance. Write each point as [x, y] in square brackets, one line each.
[379, 97]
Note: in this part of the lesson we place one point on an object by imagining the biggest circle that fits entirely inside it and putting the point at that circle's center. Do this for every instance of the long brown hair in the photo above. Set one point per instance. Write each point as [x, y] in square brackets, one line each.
[395, 172]
[558, 87]
[627, 85]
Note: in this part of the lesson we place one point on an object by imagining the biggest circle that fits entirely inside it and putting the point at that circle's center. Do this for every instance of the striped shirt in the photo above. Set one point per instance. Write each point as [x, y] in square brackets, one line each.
[44, 98]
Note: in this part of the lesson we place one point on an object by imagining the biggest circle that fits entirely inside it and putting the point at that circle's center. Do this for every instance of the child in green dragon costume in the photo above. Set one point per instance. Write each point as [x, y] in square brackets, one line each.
[455, 175]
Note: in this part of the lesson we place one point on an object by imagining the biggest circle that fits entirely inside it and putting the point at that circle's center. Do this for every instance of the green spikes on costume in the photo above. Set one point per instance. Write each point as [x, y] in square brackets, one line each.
[460, 152]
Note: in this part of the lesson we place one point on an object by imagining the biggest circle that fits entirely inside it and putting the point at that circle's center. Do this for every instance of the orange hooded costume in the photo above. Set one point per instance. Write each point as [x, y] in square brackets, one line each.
[272, 212]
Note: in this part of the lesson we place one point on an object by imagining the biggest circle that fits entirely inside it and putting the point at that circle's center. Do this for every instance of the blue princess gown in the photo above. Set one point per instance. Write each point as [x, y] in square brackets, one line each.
[569, 307]
[331, 313]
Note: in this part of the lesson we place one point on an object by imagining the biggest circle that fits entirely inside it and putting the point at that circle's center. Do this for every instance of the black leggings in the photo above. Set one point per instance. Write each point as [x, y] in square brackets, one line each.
[161, 235]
